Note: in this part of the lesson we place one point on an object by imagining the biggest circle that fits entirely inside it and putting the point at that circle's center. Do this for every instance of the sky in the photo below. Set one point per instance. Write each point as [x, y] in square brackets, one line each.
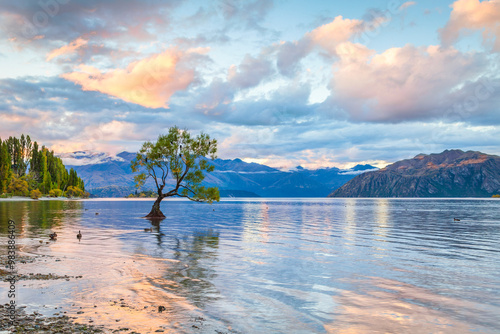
[278, 82]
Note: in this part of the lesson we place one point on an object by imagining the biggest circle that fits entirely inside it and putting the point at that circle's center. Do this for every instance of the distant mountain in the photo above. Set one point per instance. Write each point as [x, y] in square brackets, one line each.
[452, 173]
[80, 158]
[108, 176]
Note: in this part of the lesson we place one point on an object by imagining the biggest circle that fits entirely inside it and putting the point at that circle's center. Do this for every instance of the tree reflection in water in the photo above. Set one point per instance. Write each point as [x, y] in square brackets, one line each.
[192, 274]
[35, 216]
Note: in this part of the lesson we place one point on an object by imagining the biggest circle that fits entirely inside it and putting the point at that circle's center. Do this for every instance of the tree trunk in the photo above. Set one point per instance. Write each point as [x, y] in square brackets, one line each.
[155, 211]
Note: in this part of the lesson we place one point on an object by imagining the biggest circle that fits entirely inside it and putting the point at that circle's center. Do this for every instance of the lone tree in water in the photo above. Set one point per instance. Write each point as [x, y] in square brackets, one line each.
[180, 158]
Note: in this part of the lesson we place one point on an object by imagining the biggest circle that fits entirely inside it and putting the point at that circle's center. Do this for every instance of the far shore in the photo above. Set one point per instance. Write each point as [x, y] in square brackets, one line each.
[22, 198]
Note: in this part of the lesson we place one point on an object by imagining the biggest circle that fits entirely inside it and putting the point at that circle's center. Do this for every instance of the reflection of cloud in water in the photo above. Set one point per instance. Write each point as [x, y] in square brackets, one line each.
[350, 222]
[395, 307]
[120, 290]
[182, 285]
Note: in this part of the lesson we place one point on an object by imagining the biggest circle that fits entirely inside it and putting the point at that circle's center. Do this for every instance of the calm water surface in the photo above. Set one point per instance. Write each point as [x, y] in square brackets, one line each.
[266, 265]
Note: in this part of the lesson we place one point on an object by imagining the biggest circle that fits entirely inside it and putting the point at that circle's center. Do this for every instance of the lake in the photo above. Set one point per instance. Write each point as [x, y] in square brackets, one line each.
[265, 265]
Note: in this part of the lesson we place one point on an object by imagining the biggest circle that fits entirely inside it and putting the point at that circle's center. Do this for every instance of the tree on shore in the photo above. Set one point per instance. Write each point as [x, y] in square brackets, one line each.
[180, 159]
[23, 161]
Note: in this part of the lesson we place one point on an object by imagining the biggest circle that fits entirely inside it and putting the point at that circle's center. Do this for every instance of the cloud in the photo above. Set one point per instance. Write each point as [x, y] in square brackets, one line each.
[400, 84]
[340, 143]
[67, 49]
[326, 38]
[149, 82]
[99, 137]
[329, 36]
[60, 20]
[289, 54]
[247, 14]
[474, 15]
[407, 4]
[250, 72]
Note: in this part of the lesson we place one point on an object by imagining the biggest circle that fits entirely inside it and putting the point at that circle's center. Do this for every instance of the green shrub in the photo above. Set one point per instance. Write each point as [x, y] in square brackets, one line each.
[74, 192]
[18, 187]
[35, 194]
[55, 193]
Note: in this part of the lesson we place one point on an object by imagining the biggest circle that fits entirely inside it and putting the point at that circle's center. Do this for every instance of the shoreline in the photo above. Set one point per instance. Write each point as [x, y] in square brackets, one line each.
[22, 199]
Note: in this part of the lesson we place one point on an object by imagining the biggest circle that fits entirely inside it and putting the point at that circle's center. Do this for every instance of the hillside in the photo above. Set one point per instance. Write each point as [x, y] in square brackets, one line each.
[452, 173]
[111, 176]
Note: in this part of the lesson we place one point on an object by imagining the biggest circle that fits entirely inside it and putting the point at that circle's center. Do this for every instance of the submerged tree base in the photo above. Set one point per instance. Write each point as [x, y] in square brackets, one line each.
[155, 215]
[155, 212]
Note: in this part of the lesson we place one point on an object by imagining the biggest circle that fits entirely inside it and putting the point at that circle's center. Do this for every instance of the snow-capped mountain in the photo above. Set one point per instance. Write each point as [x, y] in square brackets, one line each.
[80, 158]
[110, 176]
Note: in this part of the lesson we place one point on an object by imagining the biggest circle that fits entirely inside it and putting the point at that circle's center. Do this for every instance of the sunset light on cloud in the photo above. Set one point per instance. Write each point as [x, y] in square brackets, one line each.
[67, 49]
[148, 82]
[289, 83]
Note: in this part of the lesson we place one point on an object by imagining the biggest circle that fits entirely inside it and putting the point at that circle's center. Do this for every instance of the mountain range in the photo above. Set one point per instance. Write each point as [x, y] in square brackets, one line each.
[110, 176]
[452, 173]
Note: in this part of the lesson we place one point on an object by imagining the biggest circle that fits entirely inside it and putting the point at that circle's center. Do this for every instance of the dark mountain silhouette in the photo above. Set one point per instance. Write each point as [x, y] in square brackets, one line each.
[452, 173]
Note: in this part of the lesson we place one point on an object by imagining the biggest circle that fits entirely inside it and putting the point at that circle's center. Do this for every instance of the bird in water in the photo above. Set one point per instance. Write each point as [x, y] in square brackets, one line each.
[148, 229]
[53, 236]
[456, 219]
[161, 308]
[79, 235]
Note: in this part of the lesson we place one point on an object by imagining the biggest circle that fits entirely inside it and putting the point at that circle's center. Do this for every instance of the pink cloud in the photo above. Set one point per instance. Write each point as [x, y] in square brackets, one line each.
[474, 15]
[400, 83]
[407, 4]
[67, 49]
[149, 82]
[328, 36]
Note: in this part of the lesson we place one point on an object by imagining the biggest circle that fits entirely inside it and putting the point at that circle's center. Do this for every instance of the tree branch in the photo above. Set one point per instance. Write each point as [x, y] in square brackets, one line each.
[189, 189]
[154, 178]
[189, 198]
[183, 175]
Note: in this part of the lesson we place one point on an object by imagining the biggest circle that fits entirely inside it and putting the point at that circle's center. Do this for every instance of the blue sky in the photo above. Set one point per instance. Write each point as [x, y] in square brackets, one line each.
[285, 83]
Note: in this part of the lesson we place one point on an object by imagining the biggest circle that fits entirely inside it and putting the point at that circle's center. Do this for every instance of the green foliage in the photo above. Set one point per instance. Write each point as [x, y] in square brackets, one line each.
[47, 183]
[35, 194]
[74, 192]
[46, 171]
[147, 193]
[55, 193]
[32, 181]
[19, 152]
[180, 157]
[18, 187]
[5, 167]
